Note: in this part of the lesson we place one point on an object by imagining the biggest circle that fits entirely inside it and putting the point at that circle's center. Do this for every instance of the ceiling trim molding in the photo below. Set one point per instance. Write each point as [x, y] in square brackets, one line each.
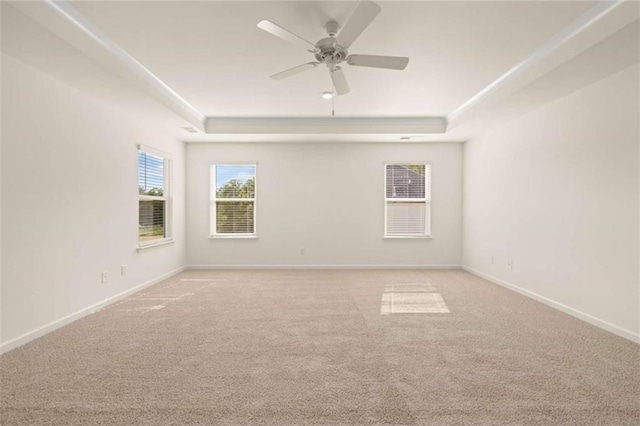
[64, 20]
[561, 39]
[330, 125]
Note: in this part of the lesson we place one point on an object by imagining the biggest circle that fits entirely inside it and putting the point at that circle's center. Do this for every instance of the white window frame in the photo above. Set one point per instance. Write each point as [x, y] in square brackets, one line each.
[426, 200]
[166, 197]
[213, 184]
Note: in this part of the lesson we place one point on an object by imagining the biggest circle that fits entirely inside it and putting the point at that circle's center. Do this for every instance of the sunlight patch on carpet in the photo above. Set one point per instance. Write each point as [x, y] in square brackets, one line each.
[157, 298]
[412, 298]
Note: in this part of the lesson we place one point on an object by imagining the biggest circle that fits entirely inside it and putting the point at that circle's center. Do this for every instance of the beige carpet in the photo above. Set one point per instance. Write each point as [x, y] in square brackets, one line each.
[322, 347]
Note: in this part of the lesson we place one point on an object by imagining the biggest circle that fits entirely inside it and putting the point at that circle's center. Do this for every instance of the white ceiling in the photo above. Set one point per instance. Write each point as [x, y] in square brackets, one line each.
[206, 52]
[215, 57]
[32, 44]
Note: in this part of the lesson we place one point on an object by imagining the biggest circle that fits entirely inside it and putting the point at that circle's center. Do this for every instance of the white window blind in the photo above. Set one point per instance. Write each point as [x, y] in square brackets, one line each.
[233, 200]
[407, 200]
[153, 196]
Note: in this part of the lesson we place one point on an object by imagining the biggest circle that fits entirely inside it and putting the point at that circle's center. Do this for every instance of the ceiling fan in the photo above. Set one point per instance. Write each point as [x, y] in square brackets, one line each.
[333, 50]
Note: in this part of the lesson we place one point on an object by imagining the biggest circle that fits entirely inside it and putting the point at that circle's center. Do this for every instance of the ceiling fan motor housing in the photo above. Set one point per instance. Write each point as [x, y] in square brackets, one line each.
[329, 52]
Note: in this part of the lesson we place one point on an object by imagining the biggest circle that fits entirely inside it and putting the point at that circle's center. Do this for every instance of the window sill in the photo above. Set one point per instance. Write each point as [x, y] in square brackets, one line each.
[150, 246]
[233, 237]
[411, 237]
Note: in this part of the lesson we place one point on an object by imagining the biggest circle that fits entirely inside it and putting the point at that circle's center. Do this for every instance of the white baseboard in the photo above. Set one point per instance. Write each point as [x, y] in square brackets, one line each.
[323, 266]
[48, 328]
[622, 332]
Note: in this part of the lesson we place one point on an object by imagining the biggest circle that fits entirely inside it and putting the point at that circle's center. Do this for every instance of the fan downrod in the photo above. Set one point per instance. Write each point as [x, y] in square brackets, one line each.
[332, 28]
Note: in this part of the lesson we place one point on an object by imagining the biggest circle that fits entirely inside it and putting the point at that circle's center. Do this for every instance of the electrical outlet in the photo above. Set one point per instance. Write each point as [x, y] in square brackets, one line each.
[509, 264]
[104, 278]
[491, 260]
[123, 270]
[301, 250]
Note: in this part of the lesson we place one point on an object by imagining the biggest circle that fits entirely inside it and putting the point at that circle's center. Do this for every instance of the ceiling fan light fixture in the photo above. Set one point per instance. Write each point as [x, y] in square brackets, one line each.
[327, 95]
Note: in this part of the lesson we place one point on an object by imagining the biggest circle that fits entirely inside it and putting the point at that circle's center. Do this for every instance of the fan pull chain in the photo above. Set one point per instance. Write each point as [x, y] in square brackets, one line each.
[333, 103]
[333, 99]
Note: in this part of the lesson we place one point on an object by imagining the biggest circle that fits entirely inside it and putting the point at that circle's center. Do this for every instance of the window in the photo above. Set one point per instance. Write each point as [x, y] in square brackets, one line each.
[233, 200]
[153, 200]
[407, 200]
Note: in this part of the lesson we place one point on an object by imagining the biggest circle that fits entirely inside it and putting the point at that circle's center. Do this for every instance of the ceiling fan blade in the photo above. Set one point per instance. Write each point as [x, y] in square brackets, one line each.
[339, 81]
[294, 70]
[365, 12]
[278, 31]
[374, 61]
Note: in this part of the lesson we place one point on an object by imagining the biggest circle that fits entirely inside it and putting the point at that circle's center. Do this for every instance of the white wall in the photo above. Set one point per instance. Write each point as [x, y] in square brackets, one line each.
[556, 192]
[327, 198]
[69, 188]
